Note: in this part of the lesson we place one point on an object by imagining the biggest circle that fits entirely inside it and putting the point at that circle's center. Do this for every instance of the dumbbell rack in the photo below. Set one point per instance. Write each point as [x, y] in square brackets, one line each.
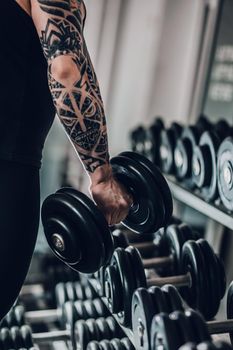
[128, 332]
[214, 211]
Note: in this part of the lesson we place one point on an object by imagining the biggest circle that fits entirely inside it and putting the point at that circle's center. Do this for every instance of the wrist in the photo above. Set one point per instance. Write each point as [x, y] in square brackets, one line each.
[101, 174]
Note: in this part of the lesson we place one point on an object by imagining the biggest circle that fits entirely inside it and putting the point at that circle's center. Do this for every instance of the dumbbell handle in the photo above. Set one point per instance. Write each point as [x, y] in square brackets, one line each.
[158, 262]
[39, 316]
[51, 336]
[217, 327]
[178, 281]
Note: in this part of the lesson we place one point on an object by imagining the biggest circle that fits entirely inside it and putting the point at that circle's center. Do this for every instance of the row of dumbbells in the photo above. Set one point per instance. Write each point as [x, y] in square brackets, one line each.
[184, 260]
[82, 319]
[200, 155]
[162, 320]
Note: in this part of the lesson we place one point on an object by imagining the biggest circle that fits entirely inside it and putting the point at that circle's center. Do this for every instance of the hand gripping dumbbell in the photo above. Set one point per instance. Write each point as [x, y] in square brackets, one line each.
[168, 139]
[71, 220]
[203, 278]
[148, 302]
[181, 330]
[225, 172]
[204, 162]
[87, 331]
[113, 344]
[183, 152]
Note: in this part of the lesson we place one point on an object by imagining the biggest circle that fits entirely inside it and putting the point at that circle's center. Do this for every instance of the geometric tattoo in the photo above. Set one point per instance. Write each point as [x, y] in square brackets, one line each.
[78, 103]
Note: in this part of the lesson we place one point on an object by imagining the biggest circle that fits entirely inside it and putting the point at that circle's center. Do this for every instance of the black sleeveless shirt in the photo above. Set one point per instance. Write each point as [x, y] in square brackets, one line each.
[26, 107]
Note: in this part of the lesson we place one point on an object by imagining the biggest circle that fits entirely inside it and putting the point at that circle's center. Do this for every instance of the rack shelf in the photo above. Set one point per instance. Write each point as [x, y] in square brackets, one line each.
[193, 200]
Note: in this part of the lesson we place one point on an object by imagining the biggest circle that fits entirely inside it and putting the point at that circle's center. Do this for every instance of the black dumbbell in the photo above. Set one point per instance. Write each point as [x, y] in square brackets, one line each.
[183, 152]
[204, 162]
[173, 240]
[67, 314]
[172, 331]
[114, 344]
[148, 302]
[87, 331]
[72, 291]
[137, 139]
[225, 172]
[168, 139]
[71, 220]
[152, 141]
[203, 278]
[23, 338]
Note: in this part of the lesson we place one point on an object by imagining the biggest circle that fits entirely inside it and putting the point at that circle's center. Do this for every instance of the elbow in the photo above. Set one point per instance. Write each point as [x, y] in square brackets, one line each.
[64, 69]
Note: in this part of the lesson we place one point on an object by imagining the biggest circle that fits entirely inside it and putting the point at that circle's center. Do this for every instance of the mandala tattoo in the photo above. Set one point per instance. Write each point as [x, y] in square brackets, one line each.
[79, 105]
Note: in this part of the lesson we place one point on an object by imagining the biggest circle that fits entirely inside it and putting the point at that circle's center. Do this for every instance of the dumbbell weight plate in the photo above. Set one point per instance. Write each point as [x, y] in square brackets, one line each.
[164, 333]
[213, 287]
[148, 212]
[168, 138]
[76, 229]
[6, 339]
[152, 141]
[17, 338]
[103, 327]
[183, 327]
[159, 180]
[198, 326]
[225, 172]
[193, 263]
[158, 299]
[101, 226]
[230, 307]
[175, 240]
[204, 165]
[143, 311]
[136, 263]
[173, 298]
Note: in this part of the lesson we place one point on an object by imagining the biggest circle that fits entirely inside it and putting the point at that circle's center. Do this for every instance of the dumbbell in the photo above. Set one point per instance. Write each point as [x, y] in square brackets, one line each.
[71, 220]
[114, 344]
[137, 139]
[174, 238]
[168, 139]
[203, 278]
[182, 330]
[67, 314]
[225, 172]
[152, 141]
[87, 331]
[145, 304]
[23, 338]
[183, 152]
[204, 162]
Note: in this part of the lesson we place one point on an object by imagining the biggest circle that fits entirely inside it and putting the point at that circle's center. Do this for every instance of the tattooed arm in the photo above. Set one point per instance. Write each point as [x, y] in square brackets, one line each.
[76, 95]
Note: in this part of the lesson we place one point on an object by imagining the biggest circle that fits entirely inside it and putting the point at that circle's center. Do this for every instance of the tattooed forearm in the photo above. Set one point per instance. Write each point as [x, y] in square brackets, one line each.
[77, 97]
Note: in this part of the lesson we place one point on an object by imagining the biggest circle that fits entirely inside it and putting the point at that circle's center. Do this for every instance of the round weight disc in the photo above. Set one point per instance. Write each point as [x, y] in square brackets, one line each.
[142, 313]
[147, 213]
[175, 241]
[159, 180]
[211, 141]
[98, 218]
[62, 217]
[159, 300]
[184, 329]
[137, 267]
[163, 333]
[193, 263]
[225, 172]
[173, 297]
[198, 325]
